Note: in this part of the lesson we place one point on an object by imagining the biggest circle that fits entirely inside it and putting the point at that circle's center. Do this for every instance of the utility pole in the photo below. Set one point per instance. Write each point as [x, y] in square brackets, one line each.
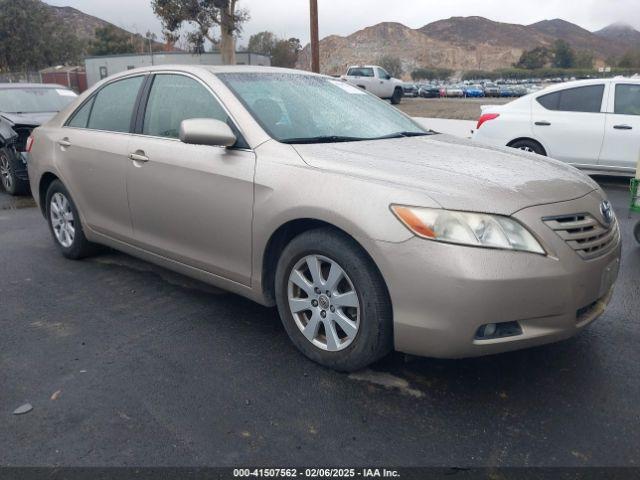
[315, 38]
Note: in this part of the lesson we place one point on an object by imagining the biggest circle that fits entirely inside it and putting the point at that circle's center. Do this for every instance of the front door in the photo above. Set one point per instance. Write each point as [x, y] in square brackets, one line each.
[190, 203]
[621, 146]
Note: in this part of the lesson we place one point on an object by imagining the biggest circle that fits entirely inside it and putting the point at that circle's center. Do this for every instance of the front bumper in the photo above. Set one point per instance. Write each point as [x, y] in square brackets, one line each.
[442, 294]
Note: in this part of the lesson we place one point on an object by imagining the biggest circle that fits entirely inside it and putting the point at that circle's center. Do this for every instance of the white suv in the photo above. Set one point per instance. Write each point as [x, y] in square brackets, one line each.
[591, 124]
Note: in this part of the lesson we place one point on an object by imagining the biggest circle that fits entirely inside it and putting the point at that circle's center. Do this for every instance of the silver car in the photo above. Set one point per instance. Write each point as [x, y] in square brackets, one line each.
[298, 190]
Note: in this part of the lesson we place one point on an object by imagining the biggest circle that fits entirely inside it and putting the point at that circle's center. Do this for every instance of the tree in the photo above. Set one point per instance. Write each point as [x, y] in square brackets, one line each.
[631, 59]
[539, 57]
[391, 64]
[30, 38]
[431, 74]
[110, 40]
[285, 53]
[563, 55]
[262, 43]
[205, 15]
[583, 59]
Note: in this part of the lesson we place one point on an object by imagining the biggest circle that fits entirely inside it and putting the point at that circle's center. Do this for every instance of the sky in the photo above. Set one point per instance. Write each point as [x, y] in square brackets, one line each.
[290, 18]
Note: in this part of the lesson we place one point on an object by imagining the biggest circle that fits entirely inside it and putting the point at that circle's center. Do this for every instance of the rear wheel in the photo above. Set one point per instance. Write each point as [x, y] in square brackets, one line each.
[397, 97]
[529, 146]
[332, 301]
[8, 168]
[64, 223]
[636, 232]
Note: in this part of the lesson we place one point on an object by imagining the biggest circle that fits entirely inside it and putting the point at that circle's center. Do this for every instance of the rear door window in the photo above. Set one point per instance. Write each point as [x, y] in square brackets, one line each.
[580, 99]
[113, 106]
[627, 99]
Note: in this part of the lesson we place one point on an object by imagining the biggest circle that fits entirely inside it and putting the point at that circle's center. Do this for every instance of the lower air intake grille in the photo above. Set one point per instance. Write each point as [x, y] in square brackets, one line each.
[584, 234]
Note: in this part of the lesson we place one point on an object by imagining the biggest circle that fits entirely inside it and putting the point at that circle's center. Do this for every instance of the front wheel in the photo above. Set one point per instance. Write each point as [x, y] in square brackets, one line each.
[64, 223]
[397, 97]
[636, 232]
[9, 166]
[332, 301]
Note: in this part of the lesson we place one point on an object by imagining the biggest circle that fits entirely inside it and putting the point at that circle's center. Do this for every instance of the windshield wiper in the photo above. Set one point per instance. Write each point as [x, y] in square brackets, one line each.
[402, 135]
[323, 139]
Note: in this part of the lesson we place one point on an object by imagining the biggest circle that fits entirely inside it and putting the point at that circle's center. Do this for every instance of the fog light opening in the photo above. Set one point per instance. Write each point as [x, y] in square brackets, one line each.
[491, 331]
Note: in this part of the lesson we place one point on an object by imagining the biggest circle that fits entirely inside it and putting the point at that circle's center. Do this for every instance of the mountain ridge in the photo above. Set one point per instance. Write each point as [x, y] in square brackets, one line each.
[464, 43]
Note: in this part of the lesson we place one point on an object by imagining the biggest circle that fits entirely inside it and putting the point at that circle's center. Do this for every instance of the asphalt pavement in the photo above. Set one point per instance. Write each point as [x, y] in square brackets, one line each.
[127, 364]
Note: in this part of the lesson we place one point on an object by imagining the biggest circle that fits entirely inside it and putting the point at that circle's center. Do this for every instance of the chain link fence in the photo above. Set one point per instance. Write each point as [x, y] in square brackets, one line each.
[20, 77]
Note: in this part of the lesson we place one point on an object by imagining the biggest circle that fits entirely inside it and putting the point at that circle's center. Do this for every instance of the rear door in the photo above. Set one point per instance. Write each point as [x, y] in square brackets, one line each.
[621, 148]
[190, 203]
[570, 123]
[92, 151]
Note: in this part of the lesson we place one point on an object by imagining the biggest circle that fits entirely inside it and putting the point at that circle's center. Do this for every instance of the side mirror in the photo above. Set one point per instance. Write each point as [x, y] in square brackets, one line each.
[206, 131]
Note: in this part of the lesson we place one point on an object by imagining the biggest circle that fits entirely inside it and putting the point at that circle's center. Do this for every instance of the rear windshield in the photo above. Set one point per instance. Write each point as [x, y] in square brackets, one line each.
[34, 100]
[360, 72]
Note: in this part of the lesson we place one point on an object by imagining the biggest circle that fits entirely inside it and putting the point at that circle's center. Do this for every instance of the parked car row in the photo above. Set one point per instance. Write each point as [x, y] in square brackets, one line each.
[367, 231]
[467, 91]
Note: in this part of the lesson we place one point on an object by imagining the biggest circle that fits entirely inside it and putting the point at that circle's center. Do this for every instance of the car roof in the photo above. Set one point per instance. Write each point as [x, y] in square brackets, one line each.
[586, 83]
[215, 69]
[9, 86]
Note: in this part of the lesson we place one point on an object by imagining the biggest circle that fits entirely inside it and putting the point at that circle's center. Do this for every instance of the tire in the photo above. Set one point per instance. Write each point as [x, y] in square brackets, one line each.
[72, 243]
[8, 167]
[369, 335]
[636, 232]
[397, 97]
[529, 146]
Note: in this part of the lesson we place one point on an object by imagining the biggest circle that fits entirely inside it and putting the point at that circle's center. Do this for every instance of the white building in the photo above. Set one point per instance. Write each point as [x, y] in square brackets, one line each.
[104, 66]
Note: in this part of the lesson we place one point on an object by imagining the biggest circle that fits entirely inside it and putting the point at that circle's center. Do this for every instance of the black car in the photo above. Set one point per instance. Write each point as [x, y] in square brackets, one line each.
[429, 91]
[409, 90]
[23, 107]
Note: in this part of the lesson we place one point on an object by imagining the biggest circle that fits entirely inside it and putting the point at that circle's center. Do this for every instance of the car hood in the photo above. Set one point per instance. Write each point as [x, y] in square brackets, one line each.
[456, 173]
[33, 119]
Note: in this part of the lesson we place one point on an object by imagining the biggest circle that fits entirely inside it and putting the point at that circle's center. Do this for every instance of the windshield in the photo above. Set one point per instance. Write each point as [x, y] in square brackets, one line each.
[294, 108]
[34, 100]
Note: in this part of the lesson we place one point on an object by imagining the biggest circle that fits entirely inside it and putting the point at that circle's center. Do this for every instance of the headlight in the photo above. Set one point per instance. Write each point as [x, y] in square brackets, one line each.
[465, 228]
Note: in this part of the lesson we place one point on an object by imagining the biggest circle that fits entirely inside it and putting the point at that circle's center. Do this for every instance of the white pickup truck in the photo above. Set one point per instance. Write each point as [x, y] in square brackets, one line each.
[376, 80]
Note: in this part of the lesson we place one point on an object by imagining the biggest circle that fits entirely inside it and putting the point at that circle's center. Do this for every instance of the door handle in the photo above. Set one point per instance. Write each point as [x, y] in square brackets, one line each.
[543, 124]
[623, 127]
[140, 158]
[65, 143]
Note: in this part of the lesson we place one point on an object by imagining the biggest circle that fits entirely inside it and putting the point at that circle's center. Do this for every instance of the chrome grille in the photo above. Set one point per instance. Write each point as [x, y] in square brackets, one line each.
[584, 234]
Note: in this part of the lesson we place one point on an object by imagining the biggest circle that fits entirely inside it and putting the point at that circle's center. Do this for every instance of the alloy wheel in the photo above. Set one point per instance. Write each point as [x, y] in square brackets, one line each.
[324, 303]
[5, 173]
[62, 220]
[526, 149]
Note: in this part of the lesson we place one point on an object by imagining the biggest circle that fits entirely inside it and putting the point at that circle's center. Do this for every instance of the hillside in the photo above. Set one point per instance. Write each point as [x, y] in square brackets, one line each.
[580, 38]
[620, 32]
[461, 43]
[85, 25]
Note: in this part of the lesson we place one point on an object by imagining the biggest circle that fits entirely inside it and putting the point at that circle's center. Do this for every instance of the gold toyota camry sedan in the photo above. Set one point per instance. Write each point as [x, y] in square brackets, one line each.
[367, 231]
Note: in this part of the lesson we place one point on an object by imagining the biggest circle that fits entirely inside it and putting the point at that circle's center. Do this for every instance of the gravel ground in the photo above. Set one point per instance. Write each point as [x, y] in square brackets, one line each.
[453, 108]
